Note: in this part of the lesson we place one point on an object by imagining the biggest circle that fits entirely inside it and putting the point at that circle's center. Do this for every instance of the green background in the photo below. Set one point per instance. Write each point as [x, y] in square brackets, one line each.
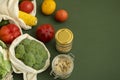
[96, 44]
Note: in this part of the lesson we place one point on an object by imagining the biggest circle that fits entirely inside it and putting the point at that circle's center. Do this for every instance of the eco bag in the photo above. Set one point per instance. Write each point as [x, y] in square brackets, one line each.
[13, 9]
[5, 65]
[19, 66]
[4, 7]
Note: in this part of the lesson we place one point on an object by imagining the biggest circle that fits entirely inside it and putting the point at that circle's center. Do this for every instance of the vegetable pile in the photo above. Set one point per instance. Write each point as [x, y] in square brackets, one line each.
[31, 53]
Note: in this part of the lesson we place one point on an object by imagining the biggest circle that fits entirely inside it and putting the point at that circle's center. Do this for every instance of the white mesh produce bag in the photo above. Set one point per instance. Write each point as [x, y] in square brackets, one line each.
[5, 65]
[13, 9]
[29, 73]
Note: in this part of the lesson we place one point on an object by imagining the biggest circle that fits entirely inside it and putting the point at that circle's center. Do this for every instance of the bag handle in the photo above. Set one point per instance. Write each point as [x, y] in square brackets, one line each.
[30, 76]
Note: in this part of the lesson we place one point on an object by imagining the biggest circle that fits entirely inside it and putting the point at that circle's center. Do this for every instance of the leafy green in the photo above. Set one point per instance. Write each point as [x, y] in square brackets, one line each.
[20, 51]
[3, 72]
[32, 53]
[5, 66]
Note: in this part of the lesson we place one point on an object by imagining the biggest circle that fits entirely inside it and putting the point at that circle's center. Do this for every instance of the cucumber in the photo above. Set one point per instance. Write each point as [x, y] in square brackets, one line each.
[4, 22]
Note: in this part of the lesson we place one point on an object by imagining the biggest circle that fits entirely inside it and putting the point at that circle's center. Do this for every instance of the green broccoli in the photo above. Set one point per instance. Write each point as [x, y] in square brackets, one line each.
[25, 42]
[29, 59]
[20, 51]
[33, 54]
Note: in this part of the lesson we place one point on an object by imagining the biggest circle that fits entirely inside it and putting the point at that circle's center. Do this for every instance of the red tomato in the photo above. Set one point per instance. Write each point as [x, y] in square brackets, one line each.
[9, 32]
[45, 32]
[61, 15]
[26, 6]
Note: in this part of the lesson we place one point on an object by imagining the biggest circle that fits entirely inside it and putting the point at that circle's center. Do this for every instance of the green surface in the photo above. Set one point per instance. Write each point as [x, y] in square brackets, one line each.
[96, 46]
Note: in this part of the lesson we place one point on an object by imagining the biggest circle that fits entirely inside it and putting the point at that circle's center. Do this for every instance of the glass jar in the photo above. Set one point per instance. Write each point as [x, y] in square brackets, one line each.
[64, 39]
[62, 66]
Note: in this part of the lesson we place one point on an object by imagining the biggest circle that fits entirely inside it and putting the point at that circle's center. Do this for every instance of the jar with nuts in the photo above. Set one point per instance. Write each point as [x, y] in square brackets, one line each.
[62, 66]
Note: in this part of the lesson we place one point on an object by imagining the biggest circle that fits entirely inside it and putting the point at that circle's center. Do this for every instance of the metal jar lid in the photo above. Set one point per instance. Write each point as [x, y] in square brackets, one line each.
[64, 36]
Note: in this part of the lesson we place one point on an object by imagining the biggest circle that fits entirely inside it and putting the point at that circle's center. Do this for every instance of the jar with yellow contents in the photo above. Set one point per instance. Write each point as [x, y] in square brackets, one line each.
[64, 40]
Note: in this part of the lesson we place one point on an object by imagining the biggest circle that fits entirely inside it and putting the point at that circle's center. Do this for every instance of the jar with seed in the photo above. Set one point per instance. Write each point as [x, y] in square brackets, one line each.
[62, 66]
[64, 39]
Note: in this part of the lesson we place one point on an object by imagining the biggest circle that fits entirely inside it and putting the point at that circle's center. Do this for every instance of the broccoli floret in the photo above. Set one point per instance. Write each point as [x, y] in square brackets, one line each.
[30, 48]
[44, 54]
[20, 51]
[38, 58]
[29, 59]
[25, 42]
[39, 66]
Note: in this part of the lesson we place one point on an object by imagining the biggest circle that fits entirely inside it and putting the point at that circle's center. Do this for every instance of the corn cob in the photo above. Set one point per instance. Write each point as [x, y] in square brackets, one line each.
[28, 18]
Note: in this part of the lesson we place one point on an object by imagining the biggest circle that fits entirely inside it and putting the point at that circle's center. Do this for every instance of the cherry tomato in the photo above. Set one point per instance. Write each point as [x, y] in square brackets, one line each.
[61, 15]
[45, 32]
[9, 32]
[26, 6]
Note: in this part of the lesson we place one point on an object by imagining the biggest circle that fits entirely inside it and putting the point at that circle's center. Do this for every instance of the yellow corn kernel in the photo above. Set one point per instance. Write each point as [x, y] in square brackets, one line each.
[28, 18]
